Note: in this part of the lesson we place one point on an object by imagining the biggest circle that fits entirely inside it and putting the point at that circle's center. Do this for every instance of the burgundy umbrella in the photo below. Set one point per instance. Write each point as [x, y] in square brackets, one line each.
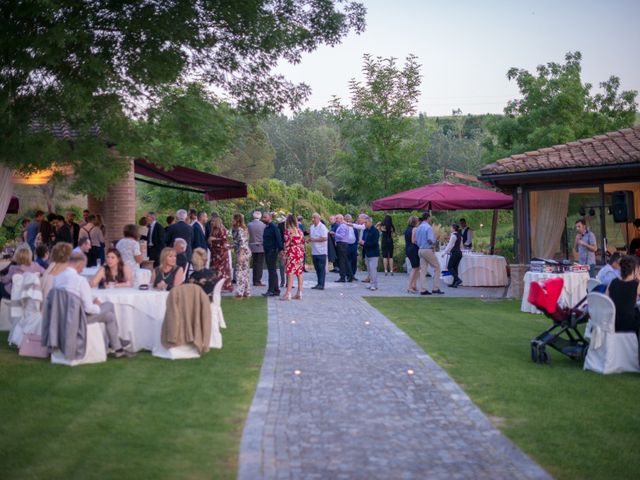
[214, 187]
[445, 196]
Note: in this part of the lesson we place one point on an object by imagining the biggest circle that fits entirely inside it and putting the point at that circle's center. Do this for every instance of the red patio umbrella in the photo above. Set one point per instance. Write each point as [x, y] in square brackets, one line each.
[445, 196]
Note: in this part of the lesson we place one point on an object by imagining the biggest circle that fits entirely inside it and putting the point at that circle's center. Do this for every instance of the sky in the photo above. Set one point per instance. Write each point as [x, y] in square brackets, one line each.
[466, 47]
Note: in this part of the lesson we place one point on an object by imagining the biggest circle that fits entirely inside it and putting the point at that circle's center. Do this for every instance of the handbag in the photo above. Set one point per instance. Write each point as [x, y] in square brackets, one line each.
[31, 346]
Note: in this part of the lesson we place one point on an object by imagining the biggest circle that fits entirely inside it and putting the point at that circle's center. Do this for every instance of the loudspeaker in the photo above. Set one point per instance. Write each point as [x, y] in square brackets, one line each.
[622, 206]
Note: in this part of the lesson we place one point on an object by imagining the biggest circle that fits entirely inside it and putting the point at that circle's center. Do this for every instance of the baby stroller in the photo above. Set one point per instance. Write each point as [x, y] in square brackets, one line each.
[563, 335]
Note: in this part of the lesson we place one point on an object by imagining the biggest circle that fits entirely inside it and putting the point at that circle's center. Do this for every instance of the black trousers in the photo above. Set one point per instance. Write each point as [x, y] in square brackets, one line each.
[258, 265]
[352, 254]
[452, 266]
[342, 249]
[271, 258]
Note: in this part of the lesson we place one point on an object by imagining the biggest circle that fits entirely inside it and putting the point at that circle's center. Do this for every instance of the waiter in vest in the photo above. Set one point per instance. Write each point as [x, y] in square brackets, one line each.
[467, 235]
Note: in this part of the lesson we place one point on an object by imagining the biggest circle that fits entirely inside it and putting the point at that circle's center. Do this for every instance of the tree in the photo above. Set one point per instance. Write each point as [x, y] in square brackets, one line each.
[381, 154]
[89, 66]
[556, 107]
[306, 146]
[251, 156]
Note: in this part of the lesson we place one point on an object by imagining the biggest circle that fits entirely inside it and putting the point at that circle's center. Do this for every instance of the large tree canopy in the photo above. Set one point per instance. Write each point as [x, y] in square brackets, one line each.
[556, 107]
[382, 148]
[81, 64]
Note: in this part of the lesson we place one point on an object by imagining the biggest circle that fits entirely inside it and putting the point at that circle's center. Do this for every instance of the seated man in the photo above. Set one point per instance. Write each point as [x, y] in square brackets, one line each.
[84, 245]
[180, 245]
[610, 271]
[74, 283]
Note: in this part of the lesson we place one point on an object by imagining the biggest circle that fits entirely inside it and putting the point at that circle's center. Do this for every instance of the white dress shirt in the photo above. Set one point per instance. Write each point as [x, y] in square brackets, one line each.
[318, 231]
[73, 282]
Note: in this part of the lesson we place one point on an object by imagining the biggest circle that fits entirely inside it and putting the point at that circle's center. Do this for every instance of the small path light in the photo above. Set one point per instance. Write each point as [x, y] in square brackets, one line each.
[297, 372]
[410, 372]
[367, 322]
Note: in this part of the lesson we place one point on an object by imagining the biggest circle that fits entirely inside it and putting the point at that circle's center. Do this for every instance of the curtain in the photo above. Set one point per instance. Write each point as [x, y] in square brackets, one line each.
[6, 191]
[548, 214]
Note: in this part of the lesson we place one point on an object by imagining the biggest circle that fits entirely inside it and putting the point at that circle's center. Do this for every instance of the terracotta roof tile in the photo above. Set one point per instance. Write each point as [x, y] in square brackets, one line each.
[612, 148]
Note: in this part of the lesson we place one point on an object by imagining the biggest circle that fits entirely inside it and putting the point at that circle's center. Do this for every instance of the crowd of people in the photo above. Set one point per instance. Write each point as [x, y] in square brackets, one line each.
[196, 247]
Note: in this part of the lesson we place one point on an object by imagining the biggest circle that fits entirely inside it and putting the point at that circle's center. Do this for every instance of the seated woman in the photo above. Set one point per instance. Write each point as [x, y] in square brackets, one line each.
[60, 254]
[129, 247]
[22, 263]
[168, 274]
[205, 277]
[624, 292]
[114, 273]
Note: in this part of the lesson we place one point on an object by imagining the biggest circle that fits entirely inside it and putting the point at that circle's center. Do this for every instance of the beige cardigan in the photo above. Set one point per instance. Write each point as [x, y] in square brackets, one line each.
[188, 318]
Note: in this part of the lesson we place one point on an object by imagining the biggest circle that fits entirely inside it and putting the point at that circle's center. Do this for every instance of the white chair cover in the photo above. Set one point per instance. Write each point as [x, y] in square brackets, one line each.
[95, 351]
[5, 315]
[592, 283]
[609, 351]
[25, 307]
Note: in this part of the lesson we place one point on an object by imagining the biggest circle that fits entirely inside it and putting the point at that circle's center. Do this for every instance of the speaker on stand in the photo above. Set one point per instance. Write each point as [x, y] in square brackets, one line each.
[622, 206]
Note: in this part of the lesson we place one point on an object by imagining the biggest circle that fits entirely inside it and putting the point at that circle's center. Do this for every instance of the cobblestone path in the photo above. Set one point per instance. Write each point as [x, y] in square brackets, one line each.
[345, 394]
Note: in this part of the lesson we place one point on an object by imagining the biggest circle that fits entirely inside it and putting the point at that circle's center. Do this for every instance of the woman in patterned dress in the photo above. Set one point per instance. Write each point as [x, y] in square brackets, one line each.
[294, 256]
[241, 245]
[219, 247]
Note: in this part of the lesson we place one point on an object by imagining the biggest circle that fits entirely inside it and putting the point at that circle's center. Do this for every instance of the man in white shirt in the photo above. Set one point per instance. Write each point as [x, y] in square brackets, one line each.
[71, 281]
[318, 235]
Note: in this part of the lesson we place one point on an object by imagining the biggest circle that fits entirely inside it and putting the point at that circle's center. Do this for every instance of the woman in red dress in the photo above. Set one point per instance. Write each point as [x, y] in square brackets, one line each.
[220, 252]
[294, 256]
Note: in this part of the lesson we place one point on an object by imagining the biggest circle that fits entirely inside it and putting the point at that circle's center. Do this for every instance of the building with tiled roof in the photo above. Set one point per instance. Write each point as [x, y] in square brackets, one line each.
[591, 178]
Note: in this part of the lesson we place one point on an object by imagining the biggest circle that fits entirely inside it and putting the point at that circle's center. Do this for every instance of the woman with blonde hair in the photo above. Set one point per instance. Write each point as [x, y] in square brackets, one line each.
[241, 245]
[168, 274]
[205, 277]
[294, 256]
[22, 263]
[59, 260]
[219, 247]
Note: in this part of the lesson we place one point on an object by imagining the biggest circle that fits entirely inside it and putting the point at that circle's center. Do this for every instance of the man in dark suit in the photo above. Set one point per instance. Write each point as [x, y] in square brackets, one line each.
[63, 233]
[199, 238]
[180, 229]
[155, 238]
[272, 243]
[74, 227]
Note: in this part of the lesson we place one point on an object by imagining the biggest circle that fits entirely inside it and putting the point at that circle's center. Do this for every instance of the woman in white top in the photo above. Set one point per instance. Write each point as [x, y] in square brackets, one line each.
[129, 247]
[59, 260]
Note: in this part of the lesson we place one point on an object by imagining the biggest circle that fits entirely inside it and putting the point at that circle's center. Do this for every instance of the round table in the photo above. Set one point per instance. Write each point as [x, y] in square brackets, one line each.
[140, 314]
[478, 270]
[574, 289]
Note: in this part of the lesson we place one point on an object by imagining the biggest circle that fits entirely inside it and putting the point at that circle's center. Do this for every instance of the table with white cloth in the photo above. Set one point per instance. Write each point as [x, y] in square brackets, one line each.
[140, 314]
[574, 289]
[478, 270]
[141, 276]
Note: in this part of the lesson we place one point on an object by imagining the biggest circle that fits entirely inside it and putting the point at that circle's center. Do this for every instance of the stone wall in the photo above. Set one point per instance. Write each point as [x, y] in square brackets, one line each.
[516, 287]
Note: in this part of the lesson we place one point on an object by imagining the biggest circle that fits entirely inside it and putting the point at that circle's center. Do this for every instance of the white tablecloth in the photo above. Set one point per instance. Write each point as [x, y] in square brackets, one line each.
[477, 270]
[141, 276]
[140, 314]
[574, 290]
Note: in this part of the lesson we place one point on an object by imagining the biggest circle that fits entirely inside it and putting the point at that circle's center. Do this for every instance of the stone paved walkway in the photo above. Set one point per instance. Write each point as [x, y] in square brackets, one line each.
[345, 394]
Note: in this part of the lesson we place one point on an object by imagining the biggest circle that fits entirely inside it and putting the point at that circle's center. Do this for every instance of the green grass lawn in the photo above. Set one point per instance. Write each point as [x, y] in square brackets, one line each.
[133, 418]
[576, 424]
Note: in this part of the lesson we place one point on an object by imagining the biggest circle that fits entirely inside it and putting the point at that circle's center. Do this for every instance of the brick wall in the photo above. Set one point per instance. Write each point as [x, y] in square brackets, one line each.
[118, 207]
